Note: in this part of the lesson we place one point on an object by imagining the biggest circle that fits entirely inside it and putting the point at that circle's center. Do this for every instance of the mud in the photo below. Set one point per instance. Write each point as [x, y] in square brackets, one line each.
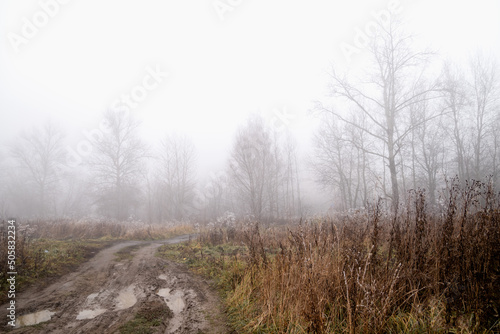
[104, 295]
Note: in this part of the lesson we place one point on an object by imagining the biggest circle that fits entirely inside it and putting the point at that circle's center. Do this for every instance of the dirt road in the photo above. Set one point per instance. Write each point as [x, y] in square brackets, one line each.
[122, 289]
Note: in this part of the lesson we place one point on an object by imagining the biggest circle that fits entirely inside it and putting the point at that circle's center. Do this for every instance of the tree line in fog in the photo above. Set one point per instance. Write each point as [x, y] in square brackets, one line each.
[390, 127]
[125, 178]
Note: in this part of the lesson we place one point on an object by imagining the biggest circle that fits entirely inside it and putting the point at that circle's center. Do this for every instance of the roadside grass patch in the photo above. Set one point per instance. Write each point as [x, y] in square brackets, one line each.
[126, 253]
[221, 263]
[44, 258]
[419, 271]
[52, 248]
[148, 319]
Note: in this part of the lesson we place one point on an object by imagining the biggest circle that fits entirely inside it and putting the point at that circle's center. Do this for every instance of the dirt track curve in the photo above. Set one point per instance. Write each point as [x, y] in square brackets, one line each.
[107, 292]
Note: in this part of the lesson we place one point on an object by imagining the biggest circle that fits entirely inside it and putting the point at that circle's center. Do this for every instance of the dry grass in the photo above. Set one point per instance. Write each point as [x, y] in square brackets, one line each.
[63, 229]
[418, 271]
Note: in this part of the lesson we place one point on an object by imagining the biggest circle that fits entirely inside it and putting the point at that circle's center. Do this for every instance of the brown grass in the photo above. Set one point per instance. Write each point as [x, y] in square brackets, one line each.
[421, 270]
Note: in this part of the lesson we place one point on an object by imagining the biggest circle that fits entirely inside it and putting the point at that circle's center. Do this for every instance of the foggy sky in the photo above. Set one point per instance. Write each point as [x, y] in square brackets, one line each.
[257, 57]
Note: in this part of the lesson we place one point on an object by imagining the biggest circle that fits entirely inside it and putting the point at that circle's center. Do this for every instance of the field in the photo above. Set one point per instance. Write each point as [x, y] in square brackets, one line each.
[423, 270]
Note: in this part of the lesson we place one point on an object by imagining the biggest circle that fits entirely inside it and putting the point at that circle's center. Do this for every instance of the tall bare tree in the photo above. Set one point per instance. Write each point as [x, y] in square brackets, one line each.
[428, 151]
[39, 158]
[484, 88]
[116, 164]
[471, 103]
[341, 162]
[455, 104]
[292, 202]
[392, 84]
[252, 167]
[214, 198]
[177, 175]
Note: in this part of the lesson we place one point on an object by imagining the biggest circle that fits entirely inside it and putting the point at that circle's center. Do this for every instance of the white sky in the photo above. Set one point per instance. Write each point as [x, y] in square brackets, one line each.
[263, 55]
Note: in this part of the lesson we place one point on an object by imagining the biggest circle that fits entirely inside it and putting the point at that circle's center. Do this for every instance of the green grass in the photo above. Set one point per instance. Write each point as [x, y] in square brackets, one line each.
[213, 262]
[147, 320]
[55, 248]
[126, 253]
[46, 258]
[223, 264]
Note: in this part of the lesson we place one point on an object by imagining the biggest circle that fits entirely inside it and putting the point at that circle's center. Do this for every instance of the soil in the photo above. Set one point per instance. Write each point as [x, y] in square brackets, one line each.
[130, 292]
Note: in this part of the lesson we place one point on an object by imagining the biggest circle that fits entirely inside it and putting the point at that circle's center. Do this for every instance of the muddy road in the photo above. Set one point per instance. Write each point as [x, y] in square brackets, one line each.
[122, 289]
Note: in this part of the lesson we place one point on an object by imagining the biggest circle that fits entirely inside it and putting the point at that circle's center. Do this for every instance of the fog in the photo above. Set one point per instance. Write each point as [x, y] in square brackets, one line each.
[160, 111]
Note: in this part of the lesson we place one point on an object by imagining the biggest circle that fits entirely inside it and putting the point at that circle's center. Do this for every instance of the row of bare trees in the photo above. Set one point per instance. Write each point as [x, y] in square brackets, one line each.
[391, 127]
[395, 126]
[123, 178]
[263, 172]
[39, 182]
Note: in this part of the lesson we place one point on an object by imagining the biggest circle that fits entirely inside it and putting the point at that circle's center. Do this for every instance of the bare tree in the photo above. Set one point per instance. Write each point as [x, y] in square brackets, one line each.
[471, 104]
[495, 150]
[177, 175]
[455, 103]
[252, 167]
[215, 196]
[341, 162]
[428, 150]
[394, 82]
[3, 187]
[155, 196]
[291, 183]
[116, 165]
[39, 158]
[485, 88]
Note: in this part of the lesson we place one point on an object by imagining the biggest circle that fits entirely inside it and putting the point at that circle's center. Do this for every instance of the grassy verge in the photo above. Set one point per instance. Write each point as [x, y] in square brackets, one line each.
[223, 264]
[126, 253]
[218, 263]
[147, 320]
[369, 272]
[49, 249]
[44, 258]
[260, 300]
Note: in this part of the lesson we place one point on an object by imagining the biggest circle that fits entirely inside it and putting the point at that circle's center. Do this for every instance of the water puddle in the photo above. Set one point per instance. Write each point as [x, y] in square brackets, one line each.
[34, 318]
[126, 298]
[90, 314]
[91, 297]
[163, 293]
[174, 302]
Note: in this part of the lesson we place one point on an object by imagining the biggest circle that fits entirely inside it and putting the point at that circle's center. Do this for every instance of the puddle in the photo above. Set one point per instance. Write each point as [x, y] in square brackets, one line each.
[164, 293]
[92, 296]
[174, 300]
[163, 277]
[126, 298]
[34, 318]
[90, 314]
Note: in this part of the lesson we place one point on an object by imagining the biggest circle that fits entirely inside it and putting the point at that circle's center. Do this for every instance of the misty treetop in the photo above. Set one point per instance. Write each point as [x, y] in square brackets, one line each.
[396, 127]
